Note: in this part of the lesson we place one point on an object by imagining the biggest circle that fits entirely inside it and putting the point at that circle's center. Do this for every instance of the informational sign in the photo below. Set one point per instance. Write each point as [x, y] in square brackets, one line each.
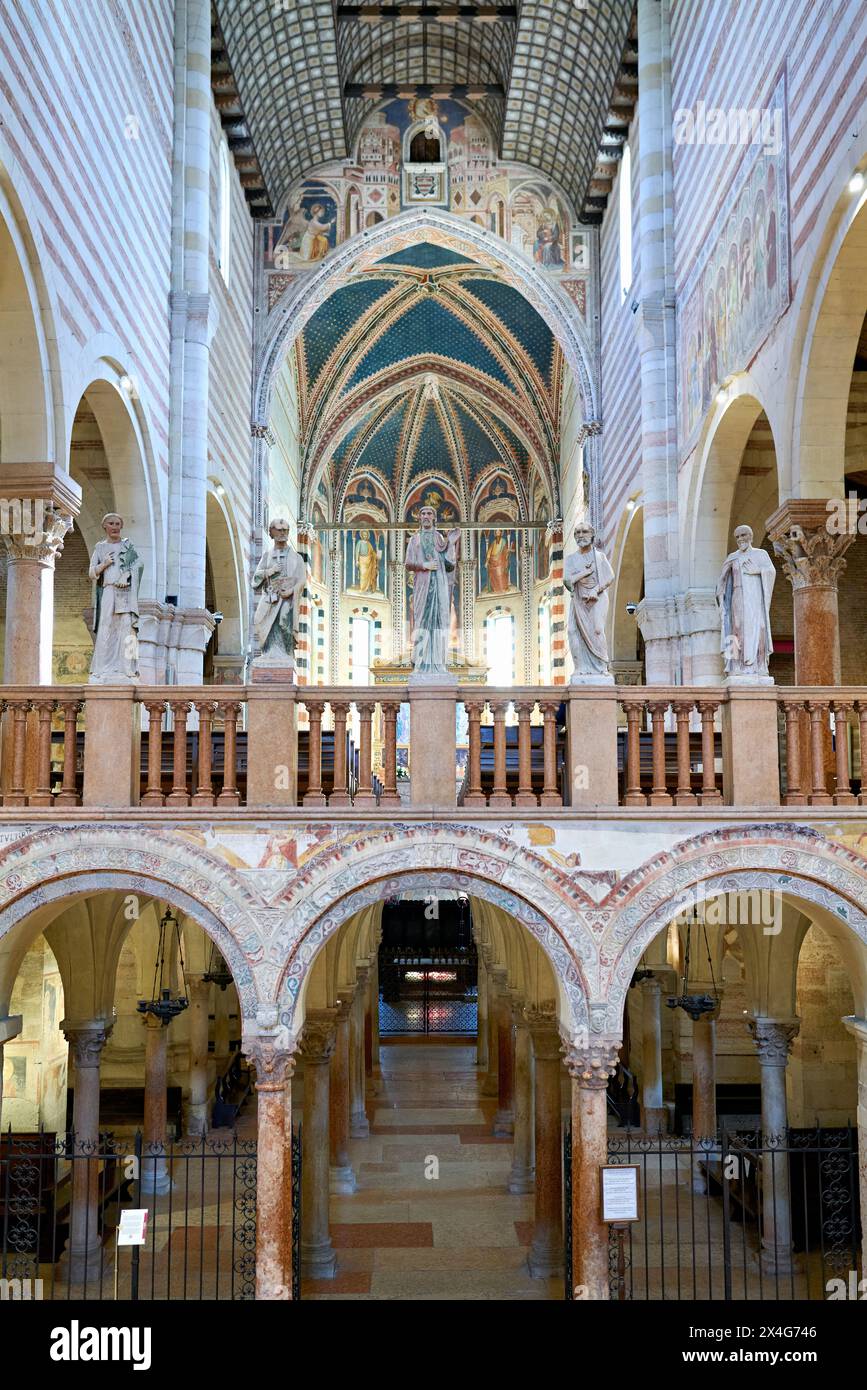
[619, 1192]
[133, 1226]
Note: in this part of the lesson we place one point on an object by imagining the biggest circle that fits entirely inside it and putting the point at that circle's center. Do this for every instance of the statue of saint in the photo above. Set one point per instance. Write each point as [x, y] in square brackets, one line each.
[588, 576]
[366, 564]
[744, 597]
[114, 565]
[280, 577]
[431, 558]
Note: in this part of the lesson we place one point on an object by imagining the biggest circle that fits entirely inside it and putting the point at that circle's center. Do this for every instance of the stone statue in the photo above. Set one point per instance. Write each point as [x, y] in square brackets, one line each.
[744, 597]
[280, 577]
[114, 565]
[588, 576]
[431, 557]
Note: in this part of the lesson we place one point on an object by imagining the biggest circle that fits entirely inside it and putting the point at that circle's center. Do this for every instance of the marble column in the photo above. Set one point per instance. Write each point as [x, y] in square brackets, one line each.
[653, 291]
[812, 560]
[155, 1177]
[41, 501]
[704, 1121]
[523, 1174]
[654, 1116]
[274, 1067]
[199, 992]
[222, 1050]
[82, 1258]
[342, 1177]
[359, 1126]
[773, 1039]
[374, 1011]
[482, 1017]
[490, 1085]
[858, 1028]
[590, 1067]
[545, 1258]
[318, 1260]
[504, 1120]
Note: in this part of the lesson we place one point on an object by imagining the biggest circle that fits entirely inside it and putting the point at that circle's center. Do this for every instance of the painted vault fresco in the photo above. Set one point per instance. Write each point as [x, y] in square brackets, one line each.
[736, 293]
[422, 152]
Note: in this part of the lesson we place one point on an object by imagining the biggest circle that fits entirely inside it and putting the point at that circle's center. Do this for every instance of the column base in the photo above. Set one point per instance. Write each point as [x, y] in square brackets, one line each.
[156, 1180]
[84, 1266]
[522, 1180]
[318, 1261]
[359, 1126]
[544, 1262]
[489, 1086]
[341, 1181]
[780, 1263]
[504, 1124]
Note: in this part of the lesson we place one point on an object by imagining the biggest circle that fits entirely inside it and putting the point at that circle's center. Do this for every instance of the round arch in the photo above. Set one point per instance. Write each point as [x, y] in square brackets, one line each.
[824, 880]
[628, 581]
[53, 866]
[225, 551]
[456, 859]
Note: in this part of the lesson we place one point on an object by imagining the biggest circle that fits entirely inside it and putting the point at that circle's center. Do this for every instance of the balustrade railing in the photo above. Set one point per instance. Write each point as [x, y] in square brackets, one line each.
[478, 748]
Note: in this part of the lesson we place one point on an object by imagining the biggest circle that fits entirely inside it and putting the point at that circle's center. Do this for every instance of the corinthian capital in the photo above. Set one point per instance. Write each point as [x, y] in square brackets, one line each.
[319, 1036]
[33, 529]
[274, 1064]
[810, 551]
[86, 1041]
[592, 1063]
[773, 1038]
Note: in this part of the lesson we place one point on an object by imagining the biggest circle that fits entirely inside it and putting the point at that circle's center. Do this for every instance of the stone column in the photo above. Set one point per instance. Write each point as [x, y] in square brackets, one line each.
[359, 1127]
[374, 1010]
[655, 327]
[221, 1028]
[318, 1260]
[704, 1121]
[482, 1018]
[82, 1257]
[198, 1119]
[545, 1258]
[522, 1176]
[773, 1039]
[155, 1177]
[590, 1067]
[10, 1027]
[192, 321]
[274, 1068]
[858, 1028]
[342, 1177]
[38, 502]
[654, 1116]
[504, 1120]
[812, 560]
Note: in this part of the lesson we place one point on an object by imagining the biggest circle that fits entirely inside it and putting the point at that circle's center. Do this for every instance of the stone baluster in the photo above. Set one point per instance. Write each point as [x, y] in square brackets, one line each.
[153, 795]
[389, 795]
[229, 709]
[340, 794]
[314, 795]
[179, 795]
[551, 795]
[364, 796]
[474, 796]
[684, 796]
[634, 796]
[204, 795]
[843, 793]
[525, 796]
[818, 712]
[41, 794]
[710, 793]
[68, 794]
[659, 796]
[499, 792]
[794, 710]
[16, 795]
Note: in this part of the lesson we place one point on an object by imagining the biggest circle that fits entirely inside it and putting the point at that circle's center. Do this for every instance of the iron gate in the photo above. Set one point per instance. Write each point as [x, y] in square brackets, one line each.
[435, 991]
[742, 1216]
[201, 1233]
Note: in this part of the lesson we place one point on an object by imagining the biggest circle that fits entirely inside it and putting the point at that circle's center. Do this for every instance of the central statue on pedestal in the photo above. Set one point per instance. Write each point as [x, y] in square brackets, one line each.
[744, 593]
[431, 558]
[280, 577]
[588, 576]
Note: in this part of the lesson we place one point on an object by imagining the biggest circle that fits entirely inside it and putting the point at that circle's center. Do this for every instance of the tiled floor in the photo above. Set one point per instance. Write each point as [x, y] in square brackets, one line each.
[406, 1235]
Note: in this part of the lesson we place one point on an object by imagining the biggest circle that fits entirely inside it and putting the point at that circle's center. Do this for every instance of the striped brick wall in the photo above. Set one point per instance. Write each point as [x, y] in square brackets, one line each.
[558, 609]
[86, 105]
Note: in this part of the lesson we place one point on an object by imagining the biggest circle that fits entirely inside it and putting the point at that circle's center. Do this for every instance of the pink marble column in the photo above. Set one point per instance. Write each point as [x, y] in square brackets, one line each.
[342, 1177]
[198, 1119]
[318, 1260]
[704, 1121]
[654, 1116]
[545, 1259]
[82, 1259]
[274, 1068]
[858, 1028]
[504, 1120]
[155, 1176]
[590, 1067]
[523, 1175]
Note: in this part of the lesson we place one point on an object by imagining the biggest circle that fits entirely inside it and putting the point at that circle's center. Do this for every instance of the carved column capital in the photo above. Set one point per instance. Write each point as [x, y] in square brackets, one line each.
[811, 553]
[591, 1064]
[41, 541]
[544, 1030]
[773, 1038]
[319, 1037]
[274, 1064]
[86, 1041]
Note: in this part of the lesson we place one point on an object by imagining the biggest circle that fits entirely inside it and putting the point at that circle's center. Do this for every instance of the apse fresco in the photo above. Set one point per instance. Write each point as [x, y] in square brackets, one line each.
[425, 152]
[736, 293]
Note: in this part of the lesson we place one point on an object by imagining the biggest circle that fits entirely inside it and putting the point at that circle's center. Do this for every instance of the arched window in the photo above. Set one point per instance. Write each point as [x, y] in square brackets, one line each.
[225, 213]
[626, 222]
[425, 149]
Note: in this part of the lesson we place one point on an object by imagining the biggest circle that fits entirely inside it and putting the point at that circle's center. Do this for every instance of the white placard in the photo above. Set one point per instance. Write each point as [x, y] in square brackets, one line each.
[619, 1194]
[133, 1226]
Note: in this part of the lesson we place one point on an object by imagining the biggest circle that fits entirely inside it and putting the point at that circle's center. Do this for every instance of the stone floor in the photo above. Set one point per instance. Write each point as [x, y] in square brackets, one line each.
[404, 1235]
